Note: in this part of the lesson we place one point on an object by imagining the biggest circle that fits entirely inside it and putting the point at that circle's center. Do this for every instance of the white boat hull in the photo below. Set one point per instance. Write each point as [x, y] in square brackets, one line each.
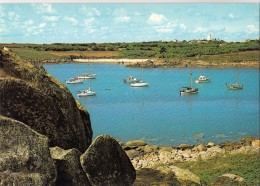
[74, 82]
[139, 84]
[202, 81]
[87, 94]
[92, 76]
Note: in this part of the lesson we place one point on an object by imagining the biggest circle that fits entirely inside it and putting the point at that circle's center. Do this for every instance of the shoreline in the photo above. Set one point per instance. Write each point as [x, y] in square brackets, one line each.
[151, 63]
[154, 63]
[111, 60]
[143, 155]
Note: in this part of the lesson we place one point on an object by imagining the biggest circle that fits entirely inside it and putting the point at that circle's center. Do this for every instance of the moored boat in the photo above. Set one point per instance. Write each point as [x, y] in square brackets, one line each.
[131, 79]
[139, 84]
[189, 89]
[87, 76]
[202, 79]
[87, 92]
[235, 86]
[74, 81]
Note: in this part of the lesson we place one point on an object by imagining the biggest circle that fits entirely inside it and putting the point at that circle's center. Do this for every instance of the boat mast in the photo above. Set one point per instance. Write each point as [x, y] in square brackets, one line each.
[190, 78]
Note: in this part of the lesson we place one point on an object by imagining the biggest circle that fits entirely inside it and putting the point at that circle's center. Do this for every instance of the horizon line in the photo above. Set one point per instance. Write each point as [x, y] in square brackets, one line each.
[127, 1]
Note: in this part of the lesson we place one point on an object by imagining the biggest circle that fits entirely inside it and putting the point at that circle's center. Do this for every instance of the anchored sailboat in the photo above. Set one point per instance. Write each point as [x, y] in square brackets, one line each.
[189, 89]
[237, 85]
[87, 75]
[74, 80]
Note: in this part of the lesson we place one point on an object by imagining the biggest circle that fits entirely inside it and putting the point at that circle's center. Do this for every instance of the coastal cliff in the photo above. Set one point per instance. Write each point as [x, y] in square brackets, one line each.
[44, 133]
[30, 95]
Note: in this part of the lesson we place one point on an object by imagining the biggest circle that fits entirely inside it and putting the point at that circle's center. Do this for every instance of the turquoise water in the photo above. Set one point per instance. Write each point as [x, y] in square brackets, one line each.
[158, 114]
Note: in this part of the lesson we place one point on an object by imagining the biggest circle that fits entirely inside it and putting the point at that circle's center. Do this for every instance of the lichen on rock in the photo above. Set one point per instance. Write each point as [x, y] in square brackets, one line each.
[106, 163]
[24, 155]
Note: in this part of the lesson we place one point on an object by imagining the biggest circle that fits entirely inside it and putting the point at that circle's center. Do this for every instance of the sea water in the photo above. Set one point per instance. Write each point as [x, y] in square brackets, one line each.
[157, 113]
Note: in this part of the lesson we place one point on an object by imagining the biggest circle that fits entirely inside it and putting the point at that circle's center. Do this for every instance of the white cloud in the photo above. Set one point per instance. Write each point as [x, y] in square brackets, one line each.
[51, 18]
[2, 14]
[121, 12]
[252, 29]
[44, 8]
[200, 30]
[183, 27]
[122, 19]
[13, 16]
[42, 25]
[156, 19]
[137, 13]
[29, 22]
[231, 16]
[89, 22]
[89, 11]
[71, 20]
[2, 29]
[166, 28]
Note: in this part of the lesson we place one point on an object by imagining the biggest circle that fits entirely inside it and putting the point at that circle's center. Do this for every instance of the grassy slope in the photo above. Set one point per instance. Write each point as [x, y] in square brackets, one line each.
[244, 165]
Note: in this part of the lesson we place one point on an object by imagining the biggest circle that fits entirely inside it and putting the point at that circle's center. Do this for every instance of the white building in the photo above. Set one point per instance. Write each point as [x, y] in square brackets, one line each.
[209, 38]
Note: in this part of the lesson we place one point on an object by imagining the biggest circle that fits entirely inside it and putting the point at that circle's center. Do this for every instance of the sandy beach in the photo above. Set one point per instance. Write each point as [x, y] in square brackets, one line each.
[103, 60]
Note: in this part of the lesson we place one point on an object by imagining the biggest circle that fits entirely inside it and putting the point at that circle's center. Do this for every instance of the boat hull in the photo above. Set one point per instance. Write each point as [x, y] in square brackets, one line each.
[86, 94]
[189, 91]
[92, 76]
[234, 86]
[202, 81]
[74, 82]
[139, 84]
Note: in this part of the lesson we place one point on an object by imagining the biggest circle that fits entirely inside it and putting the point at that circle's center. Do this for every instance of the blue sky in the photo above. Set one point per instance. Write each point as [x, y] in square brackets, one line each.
[132, 22]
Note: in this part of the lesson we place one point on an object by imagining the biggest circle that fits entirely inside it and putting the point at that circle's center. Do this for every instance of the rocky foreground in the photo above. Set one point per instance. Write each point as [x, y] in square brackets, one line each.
[152, 157]
[46, 136]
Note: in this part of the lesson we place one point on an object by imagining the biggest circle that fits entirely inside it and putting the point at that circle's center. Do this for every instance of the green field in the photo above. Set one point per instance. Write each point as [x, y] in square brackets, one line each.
[244, 165]
[210, 51]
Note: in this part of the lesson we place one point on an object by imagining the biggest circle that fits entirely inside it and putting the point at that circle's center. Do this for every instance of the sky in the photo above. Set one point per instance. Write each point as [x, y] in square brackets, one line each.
[126, 22]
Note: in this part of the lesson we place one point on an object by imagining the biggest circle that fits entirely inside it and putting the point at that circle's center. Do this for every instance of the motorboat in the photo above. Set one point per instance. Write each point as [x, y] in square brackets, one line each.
[131, 79]
[87, 76]
[139, 84]
[74, 81]
[202, 79]
[87, 92]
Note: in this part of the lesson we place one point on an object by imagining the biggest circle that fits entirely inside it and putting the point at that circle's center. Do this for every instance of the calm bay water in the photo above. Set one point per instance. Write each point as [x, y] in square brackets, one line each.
[158, 114]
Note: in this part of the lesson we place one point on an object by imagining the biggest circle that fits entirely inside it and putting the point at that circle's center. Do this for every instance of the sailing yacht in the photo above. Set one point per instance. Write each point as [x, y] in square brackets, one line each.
[87, 75]
[74, 80]
[189, 89]
[235, 86]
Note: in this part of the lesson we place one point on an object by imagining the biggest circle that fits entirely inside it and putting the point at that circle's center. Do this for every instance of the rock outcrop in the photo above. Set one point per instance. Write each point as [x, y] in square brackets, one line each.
[229, 180]
[30, 95]
[69, 168]
[24, 155]
[105, 163]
